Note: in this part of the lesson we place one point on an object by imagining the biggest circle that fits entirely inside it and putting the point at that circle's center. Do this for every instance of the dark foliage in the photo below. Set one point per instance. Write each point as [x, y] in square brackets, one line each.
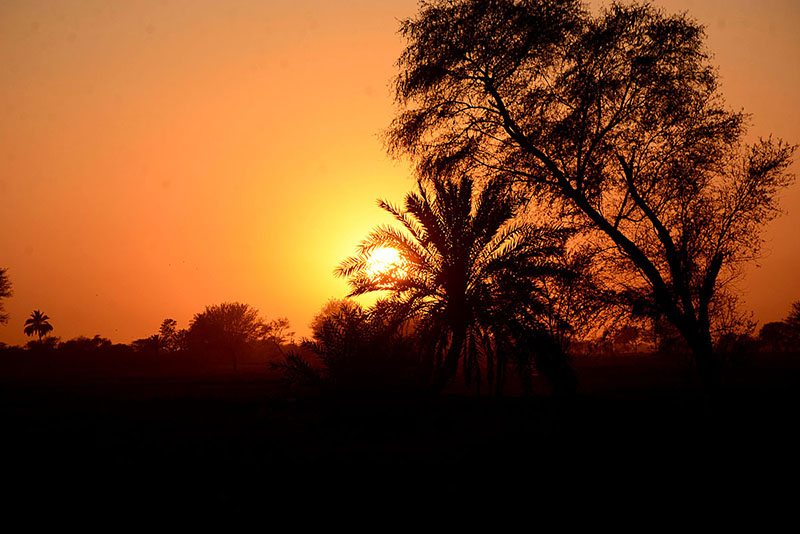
[782, 336]
[226, 332]
[792, 322]
[470, 279]
[38, 323]
[5, 292]
[149, 346]
[614, 121]
[361, 350]
[297, 370]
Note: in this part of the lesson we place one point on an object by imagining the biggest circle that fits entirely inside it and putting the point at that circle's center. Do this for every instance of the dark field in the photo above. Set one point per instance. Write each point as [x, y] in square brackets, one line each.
[91, 445]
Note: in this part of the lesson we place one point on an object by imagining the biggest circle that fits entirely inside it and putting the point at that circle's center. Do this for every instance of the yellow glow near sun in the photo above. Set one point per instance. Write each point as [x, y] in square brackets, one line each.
[384, 259]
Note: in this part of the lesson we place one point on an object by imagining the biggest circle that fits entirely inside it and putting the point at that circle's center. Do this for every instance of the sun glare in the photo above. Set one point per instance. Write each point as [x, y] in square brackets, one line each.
[383, 260]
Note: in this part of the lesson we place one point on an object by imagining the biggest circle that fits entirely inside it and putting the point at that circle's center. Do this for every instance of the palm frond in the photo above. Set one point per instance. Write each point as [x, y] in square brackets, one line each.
[416, 231]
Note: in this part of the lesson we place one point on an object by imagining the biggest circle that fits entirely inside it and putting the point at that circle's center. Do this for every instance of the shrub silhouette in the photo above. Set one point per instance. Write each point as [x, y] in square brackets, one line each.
[359, 350]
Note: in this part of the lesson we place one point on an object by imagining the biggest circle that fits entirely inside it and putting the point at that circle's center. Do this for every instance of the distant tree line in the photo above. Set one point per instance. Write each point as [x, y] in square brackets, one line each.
[222, 336]
[782, 336]
[403, 340]
[227, 334]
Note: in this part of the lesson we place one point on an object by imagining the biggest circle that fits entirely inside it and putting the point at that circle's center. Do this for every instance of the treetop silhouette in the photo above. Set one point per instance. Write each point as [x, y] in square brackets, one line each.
[38, 323]
[5, 292]
[615, 122]
[229, 329]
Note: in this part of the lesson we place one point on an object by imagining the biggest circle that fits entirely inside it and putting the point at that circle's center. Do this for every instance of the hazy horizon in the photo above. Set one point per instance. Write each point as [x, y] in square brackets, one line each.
[162, 156]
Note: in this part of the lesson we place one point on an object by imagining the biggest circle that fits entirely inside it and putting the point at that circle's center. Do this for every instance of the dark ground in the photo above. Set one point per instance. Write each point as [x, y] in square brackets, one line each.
[237, 442]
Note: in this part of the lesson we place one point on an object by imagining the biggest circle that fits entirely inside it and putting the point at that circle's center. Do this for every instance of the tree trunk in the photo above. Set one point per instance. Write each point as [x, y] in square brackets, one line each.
[698, 336]
[450, 365]
[500, 375]
[706, 361]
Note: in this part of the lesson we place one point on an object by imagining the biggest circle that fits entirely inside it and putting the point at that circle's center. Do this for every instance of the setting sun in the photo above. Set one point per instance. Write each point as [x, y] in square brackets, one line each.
[383, 260]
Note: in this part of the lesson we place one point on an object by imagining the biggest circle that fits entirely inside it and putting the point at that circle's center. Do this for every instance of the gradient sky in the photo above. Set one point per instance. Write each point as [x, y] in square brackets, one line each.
[160, 156]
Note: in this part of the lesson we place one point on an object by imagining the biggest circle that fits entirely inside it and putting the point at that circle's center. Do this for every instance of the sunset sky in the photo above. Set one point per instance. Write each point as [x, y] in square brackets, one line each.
[160, 156]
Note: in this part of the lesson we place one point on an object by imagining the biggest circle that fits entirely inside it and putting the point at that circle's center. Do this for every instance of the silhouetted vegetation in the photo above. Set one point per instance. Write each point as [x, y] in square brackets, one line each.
[517, 114]
[470, 280]
[38, 323]
[5, 292]
[170, 339]
[365, 350]
[792, 321]
[578, 304]
[782, 336]
[84, 351]
[614, 122]
[218, 331]
[584, 201]
[232, 332]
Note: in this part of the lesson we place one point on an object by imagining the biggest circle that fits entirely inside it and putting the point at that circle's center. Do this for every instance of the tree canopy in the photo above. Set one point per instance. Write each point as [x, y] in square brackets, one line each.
[615, 121]
[225, 330]
[5, 292]
[38, 323]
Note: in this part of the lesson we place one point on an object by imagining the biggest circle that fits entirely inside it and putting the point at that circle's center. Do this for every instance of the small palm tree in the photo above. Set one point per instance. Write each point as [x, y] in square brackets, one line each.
[468, 274]
[37, 323]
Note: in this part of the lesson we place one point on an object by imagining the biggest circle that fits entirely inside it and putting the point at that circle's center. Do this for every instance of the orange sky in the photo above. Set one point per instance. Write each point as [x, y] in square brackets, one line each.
[160, 156]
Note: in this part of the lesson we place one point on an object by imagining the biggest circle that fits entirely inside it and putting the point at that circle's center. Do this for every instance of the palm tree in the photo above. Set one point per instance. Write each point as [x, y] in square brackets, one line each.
[37, 323]
[468, 274]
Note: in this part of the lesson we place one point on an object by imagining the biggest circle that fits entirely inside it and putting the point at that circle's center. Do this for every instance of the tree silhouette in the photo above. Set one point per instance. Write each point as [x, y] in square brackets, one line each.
[467, 273]
[775, 336]
[333, 313]
[278, 331]
[225, 330]
[169, 336]
[793, 320]
[147, 345]
[5, 292]
[613, 121]
[360, 349]
[37, 323]
[783, 335]
[578, 302]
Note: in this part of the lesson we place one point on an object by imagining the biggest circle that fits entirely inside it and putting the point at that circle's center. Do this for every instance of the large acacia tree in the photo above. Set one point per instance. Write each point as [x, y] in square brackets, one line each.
[616, 120]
